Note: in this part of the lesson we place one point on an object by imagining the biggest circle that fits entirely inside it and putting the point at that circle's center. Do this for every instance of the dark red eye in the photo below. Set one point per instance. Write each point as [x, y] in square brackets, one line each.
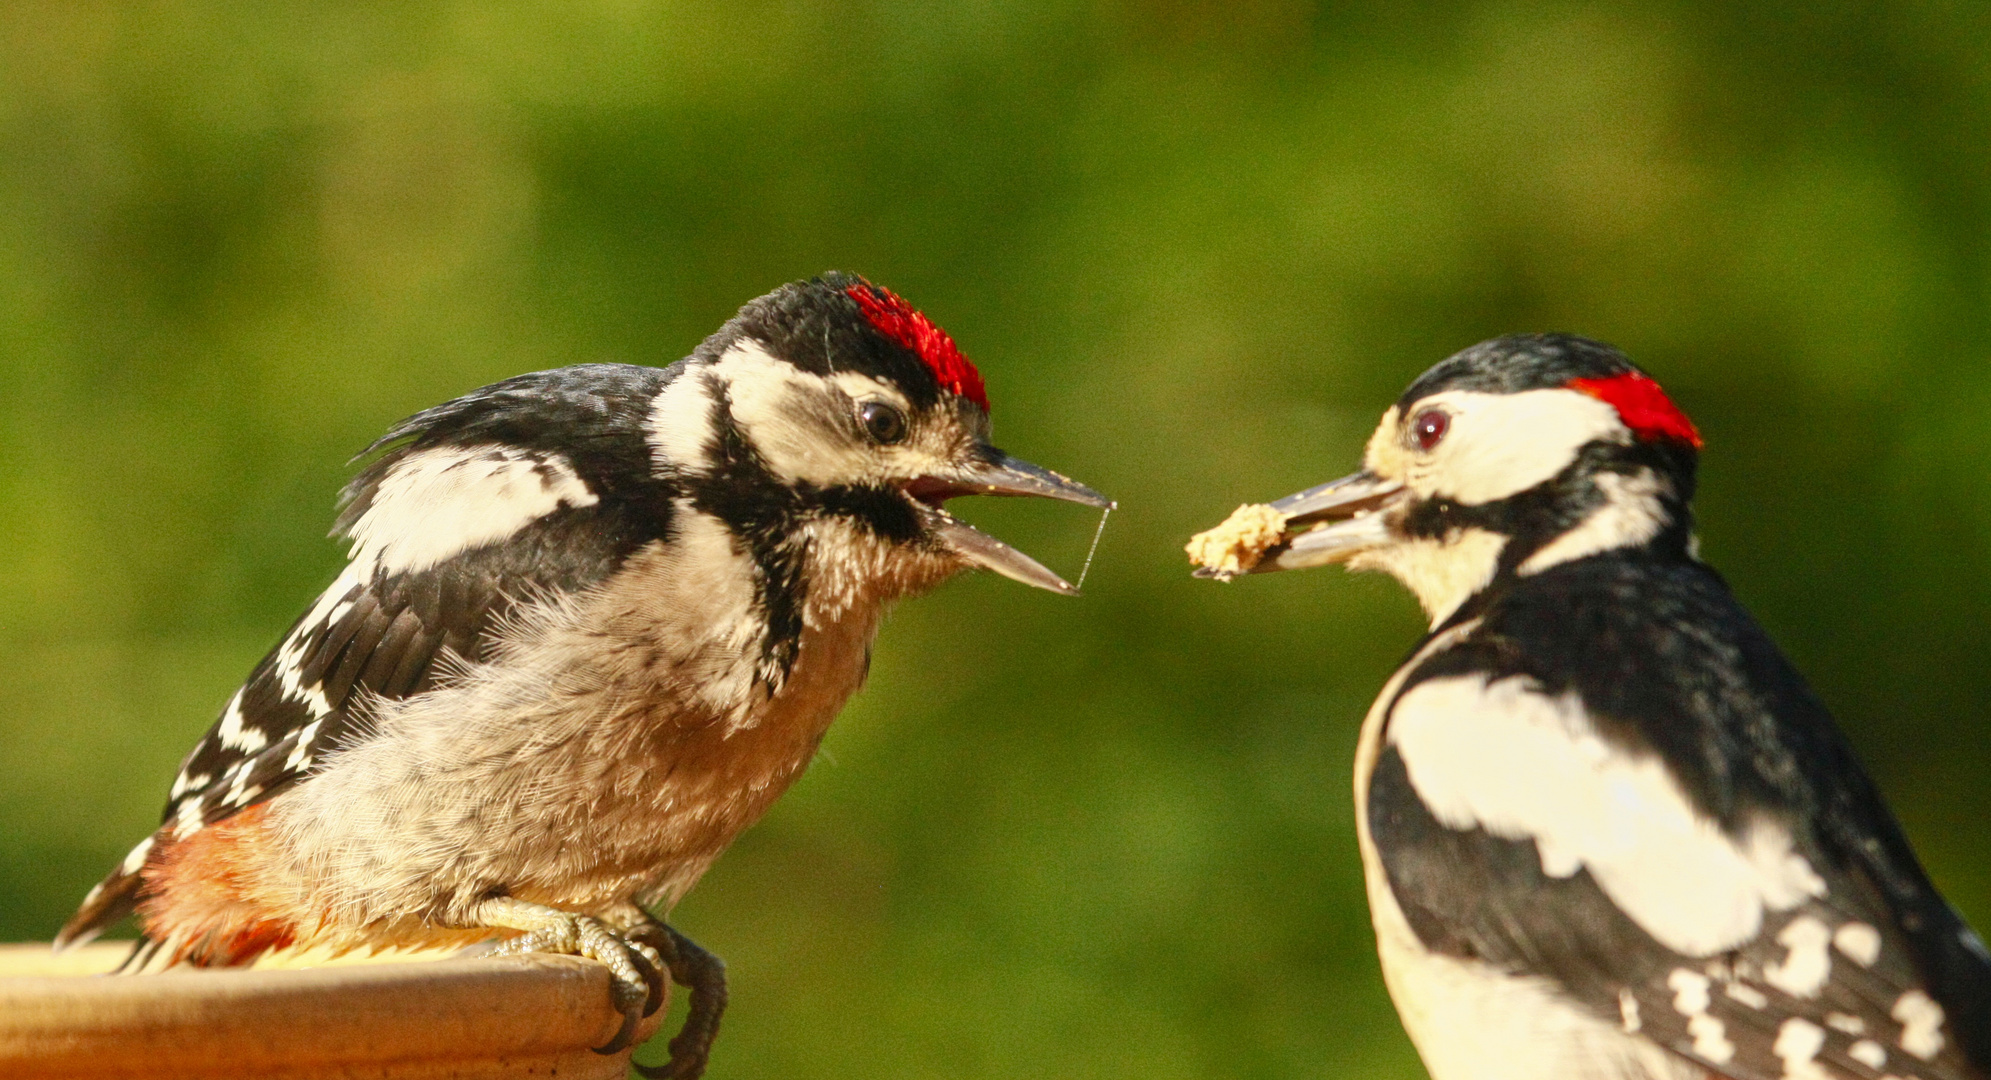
[1428, 427]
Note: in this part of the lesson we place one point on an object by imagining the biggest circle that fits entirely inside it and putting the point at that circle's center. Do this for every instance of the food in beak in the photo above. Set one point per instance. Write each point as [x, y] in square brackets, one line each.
[1330, 523]
[1235, 546]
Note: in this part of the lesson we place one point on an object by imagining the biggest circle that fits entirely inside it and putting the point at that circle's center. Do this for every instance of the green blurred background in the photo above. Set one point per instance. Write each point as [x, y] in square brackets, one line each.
[1196, 248]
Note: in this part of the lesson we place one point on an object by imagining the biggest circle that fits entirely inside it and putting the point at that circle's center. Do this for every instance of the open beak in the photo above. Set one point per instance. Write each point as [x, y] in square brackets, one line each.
[1003, 476]
[1330, 523]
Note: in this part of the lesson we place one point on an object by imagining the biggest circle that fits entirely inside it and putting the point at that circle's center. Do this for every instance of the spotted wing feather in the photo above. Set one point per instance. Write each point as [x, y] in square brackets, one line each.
[1859, 970]
[1470, 894]
[540, 485]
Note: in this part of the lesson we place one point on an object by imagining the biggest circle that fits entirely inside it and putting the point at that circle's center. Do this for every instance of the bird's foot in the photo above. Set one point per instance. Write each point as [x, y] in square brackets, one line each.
[694, 969]
[636, 968]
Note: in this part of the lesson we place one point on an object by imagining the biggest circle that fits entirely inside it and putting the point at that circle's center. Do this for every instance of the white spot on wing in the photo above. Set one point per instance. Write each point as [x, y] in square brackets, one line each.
[1690, 999]
[1851, 1025]
[187, 819]
[1798, 1043]
[1711, 1039]
[1869, 1053]
[300, 754]
[233, 735]
[433, 504]
[1504, 757]
[1690, 991]
[240, 792]
[1858, 941]
[186, 782]
[1747, 995]
[1921, 1022]
[289, 662]
[1808, 963]
[136, 858]
[1628, 1012]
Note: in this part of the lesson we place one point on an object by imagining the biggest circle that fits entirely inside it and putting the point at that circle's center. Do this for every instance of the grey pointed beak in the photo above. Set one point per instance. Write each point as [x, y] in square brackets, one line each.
[1004, 475]
[1330, 523]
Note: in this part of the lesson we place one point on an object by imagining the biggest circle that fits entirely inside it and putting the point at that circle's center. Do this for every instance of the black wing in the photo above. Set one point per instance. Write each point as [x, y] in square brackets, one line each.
[1861, 971]
[539, 485]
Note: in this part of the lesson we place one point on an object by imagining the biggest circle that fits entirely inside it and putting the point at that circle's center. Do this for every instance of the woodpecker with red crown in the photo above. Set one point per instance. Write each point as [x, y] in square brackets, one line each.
[1608, 831]
[593, 623]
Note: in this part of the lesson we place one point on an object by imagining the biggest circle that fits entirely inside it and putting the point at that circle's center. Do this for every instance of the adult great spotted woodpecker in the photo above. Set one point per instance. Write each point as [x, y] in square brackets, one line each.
[1607, 829]
[593, 622]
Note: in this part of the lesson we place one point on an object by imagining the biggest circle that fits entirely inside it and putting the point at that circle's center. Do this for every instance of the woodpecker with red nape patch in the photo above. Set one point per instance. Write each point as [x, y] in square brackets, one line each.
[1608, 831]
[593, 622]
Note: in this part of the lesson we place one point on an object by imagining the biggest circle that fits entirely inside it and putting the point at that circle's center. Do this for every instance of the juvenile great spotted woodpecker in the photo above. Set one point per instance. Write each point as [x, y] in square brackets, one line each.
[593, 622]
[1607, 829]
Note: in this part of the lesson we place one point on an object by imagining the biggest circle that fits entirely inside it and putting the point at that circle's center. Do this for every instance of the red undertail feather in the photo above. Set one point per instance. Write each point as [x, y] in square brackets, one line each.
[901, 322]
[1643, 406]
[194, 900]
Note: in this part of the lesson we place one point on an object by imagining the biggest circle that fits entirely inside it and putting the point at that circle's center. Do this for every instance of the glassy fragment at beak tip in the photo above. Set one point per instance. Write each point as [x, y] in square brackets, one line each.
[980, 549]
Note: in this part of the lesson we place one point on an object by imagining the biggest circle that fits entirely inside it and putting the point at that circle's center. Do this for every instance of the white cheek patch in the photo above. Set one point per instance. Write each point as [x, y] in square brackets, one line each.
[1522, 765]
[1503, 444]
[784, 413]
[434, 504]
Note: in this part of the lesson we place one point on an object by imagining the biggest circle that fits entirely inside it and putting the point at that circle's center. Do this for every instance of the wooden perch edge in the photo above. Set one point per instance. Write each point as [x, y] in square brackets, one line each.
[480, 1018]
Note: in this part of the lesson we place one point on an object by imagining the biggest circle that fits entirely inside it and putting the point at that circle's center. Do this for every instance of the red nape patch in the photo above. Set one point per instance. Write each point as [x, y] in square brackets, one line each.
[1642, 405]
[899, 321]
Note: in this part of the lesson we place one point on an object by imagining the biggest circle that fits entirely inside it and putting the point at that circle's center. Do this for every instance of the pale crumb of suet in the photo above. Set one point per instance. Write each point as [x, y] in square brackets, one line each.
[1235, 546]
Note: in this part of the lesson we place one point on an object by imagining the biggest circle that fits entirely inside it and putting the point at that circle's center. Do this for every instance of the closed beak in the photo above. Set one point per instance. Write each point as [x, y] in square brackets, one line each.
[1327, 524]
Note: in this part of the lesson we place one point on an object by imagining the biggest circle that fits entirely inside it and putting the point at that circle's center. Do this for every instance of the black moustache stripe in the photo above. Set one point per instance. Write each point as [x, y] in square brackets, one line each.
[766, 515]
[762, 513]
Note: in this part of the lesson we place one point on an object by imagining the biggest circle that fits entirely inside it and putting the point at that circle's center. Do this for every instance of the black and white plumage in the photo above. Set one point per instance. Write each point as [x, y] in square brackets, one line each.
[592, 623]
[540, 485]
[1608, 830]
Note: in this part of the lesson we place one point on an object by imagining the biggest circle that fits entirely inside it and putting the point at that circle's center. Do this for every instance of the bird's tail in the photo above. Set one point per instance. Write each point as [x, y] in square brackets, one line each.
[108, 901]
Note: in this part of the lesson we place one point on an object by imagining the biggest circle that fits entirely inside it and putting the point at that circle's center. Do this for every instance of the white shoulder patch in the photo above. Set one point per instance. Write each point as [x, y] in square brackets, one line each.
[1520, 764]
[436, 503]
[680, 422]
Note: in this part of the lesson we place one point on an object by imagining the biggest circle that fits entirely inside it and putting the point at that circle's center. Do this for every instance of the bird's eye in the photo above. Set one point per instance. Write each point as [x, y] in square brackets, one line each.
[885, 424]
[1428, 428]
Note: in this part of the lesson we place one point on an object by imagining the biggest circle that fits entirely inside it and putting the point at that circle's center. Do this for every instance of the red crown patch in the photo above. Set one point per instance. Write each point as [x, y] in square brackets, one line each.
[904, 324]
[1642, 405]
